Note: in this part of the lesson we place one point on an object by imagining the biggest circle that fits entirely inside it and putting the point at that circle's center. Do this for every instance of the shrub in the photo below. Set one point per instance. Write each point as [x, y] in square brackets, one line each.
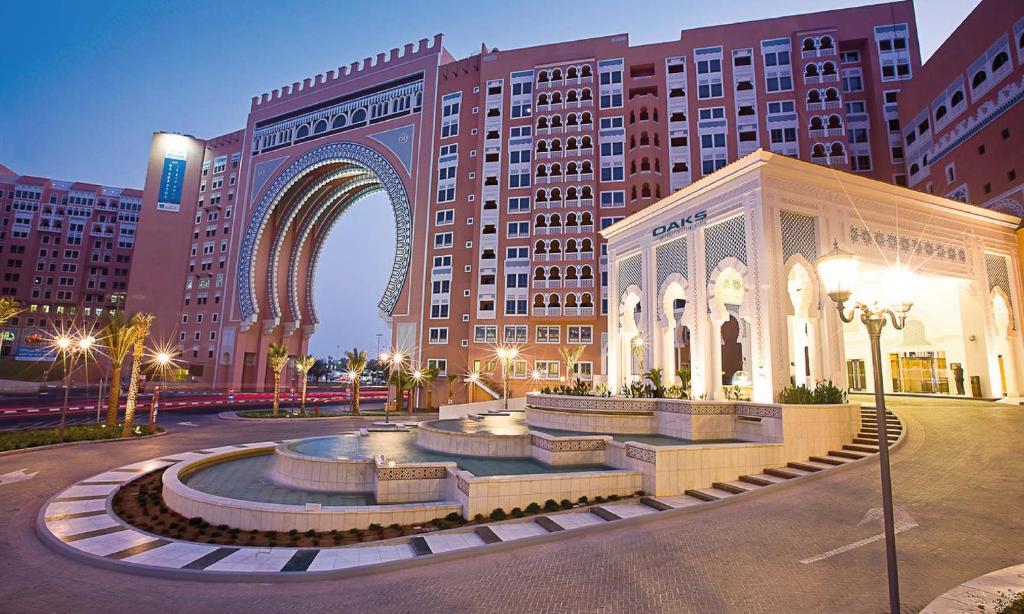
[824, 393]
[518, 512]
[583, 500]
[354, 531]
[640, 493]
[599, 499]
[293, 532]
[566, 504]
[375, 527]
[498, 514]
[613, 497]
[479, 518]
[195, 521]
[442, 524]
[310, 533]
[394, 526]
[453, 517]
[223, 527]
[533, 508]
[551, 505]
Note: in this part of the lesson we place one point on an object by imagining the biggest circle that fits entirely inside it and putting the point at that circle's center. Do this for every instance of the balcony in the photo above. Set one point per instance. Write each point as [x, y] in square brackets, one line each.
[582, 151]
[581, 310]
[548, 204]
[547, 230]
[579, 283]
[546, 155]
[547, 283]
[587, 255]
[546, 311]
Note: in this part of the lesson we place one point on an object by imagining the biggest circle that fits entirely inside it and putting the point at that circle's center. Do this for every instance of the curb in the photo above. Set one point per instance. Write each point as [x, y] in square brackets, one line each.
[978, 594]
[69, 444]
[234, 417]
[306, 576]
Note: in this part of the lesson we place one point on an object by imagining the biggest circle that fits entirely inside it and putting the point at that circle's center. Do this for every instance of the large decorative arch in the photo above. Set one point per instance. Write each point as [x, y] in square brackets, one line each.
[345, 152]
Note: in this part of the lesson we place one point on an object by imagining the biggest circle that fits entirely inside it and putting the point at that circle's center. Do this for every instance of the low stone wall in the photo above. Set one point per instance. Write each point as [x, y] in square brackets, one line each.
[578, 450]
[412, 483]
[248, 515]
[815, 429]
[592, 422]
[461, 410]
[321, 474]
[472, 444]
[481, 495]
[671, 470]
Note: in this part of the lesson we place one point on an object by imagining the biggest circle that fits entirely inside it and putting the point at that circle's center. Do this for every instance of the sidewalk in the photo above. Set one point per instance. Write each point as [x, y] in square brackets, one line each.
[979, 594]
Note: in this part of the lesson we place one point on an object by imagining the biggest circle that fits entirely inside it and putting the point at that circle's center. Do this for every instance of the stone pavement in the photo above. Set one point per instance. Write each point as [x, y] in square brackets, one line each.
[956, 481]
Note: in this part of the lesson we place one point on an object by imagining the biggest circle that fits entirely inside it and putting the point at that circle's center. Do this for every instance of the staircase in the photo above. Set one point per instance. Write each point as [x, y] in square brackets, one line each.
[864, 444]
[488, 386]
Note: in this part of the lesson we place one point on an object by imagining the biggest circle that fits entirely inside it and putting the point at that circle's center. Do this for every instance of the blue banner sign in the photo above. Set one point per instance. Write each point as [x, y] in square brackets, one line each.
[171, 181]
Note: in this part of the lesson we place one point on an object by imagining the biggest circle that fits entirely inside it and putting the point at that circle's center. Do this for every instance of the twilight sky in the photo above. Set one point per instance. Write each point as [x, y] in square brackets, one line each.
[85, 84]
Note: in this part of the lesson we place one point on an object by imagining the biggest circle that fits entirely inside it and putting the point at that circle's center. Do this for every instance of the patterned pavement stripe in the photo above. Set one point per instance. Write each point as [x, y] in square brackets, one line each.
[300, 561]
[146, 547]
[58, 517]
[67, 539]
[210, 558]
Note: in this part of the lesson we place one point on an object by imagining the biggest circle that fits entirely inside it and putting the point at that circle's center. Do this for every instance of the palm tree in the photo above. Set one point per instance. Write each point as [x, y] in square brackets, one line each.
[571, 355]
[277, 356]
[8, 309]
[141, 322]
[402, 382]
[430, 375]
[118, 338]
[303, 364]
[356, 360]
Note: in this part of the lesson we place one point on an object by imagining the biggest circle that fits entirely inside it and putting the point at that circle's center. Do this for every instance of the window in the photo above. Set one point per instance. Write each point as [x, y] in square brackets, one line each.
[442, 261]
[518, 230]
[517, 252]
[444, 217]
[853, 81]
[516, 306]
[583, 370]
[516, 334]
[443, 240]
[849, 57]
[440, 364]
[450, 104]
[439, 335]
[547, 369]
[580, 334]
[439, 311]
[485, 334]
[440, 286]
[520, 204]
[549, 334]
[517, 280]
[613, 199]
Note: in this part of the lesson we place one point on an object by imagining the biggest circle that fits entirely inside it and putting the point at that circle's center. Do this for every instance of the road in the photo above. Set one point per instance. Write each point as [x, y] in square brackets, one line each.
[957, 477]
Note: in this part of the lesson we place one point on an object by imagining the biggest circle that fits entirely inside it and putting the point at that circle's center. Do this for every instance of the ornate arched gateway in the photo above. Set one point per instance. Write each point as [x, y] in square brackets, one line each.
[279, 254]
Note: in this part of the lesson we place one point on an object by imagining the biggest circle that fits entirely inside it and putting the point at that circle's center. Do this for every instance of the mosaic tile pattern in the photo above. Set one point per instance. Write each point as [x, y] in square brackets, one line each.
[726, 239]
[799, 236]
[672, 257]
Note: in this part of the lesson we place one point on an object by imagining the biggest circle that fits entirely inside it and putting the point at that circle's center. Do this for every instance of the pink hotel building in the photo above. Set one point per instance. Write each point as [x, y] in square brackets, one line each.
[501, 169]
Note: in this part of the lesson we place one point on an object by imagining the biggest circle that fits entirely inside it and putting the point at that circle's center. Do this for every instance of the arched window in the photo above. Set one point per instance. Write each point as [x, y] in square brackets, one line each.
[539, 274]
[825, 42]
[958, 97]
[320, 126]
[359, 116]
[585, 94]
[572, 169]
[587, 118]
[587, 167]
[829, 68]
[542, 221]
[632, 167]
[978, 79]
[556, 74]
[571, 144]
[556, 194]
[540, 248]
[645, 191]
[572, 120]
[586, 272]
[571, 195]
[587, 245]
[816, 123]
[588, 192]
[570, 300]
[587, 143]
[644, 115]
[836, 150]
[570, 272]
[571, 73]
[542, 196]
[1000, 59]
[813, 96]
[556, 98]
[554, 273]
[645, 164]
[554, 300]
[555, 247]
[587, 219]
[811, 70]
[302, 132]
[645, 139]
[542, 146]
[571, 246]
[542, 77]
[831, 95]
[538, 300]
[339, 121]
[542, 99]
[585, 71]
[818, 150]
[914, 168]
[542, 170]
[542, 122]
[808, 44]
[587, 300]
[834, 121]
[572, 96]
[556, 121]
[555, 220]
[556, 145]
[940, 112]
[556, 170]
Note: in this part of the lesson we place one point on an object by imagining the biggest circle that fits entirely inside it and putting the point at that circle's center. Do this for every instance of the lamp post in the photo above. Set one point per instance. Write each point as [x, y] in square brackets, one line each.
[507, 354]
[838, 272]
[70, 348]
[161, 360]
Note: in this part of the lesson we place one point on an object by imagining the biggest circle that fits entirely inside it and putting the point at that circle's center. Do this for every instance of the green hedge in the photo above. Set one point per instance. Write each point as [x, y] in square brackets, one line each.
[17, 440]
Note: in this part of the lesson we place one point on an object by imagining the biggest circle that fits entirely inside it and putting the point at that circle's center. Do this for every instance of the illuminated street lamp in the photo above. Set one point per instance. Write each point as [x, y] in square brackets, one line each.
[838, 272]
[70, 347]
[638, 344]
[507, 354]
[394, 360]
[161, 361]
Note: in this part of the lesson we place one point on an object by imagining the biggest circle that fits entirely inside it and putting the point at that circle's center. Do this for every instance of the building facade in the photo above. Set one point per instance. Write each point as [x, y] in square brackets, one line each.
[963, 121]
[501, 169]
[66, 252]
[719, 281]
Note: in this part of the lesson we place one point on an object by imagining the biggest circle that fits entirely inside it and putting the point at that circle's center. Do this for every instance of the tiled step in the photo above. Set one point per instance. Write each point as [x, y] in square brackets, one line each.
[709, 494]
[828, 460]
[857, 447]
[737, 487]
[846, 454]
[806, 466]
[604, 514]
[655, 504]
[677, 501]
[549, 525]
[867, 441]
[762, 479]
[787, 474]
[487, 534]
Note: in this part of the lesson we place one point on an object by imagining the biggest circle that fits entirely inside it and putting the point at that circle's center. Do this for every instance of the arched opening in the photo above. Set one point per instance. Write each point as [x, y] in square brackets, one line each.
[730, 328]
[802, 320]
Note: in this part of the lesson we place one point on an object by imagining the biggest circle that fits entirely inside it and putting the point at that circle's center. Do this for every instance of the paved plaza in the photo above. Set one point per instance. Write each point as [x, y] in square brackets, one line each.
[801, 549]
